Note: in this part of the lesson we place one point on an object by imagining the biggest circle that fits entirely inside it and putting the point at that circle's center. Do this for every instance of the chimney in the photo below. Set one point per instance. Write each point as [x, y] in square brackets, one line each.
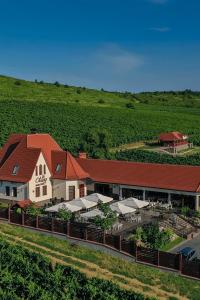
[82, 155]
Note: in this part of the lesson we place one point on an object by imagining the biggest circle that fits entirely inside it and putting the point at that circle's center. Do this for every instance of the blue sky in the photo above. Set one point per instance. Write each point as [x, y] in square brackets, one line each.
[135, 45]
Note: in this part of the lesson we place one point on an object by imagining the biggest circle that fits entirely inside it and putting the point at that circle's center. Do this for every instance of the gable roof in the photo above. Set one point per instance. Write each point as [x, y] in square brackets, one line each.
[21, 156]
[161, 176]
[23, 150]
[171, 136]
[69, 167]
[44, 142]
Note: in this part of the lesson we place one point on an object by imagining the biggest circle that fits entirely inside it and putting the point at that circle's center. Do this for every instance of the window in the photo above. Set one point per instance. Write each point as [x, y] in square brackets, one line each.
[36, 171]
[14, 192]
[44, 190]
[44, 169]
[15, 170]
[71, 192]
[81, 190]
[40, 169]
[7, 191]
[58, 168]
[37, 191]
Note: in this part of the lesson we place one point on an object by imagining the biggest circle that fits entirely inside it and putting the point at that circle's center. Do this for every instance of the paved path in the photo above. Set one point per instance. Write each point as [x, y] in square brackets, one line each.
[194, 243]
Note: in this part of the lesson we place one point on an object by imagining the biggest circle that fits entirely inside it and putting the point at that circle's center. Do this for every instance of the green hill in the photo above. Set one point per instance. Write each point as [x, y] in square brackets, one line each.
[68, 113]
[130, 276]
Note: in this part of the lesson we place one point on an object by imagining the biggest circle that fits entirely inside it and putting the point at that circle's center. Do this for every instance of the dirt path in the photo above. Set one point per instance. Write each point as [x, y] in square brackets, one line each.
[93, 270]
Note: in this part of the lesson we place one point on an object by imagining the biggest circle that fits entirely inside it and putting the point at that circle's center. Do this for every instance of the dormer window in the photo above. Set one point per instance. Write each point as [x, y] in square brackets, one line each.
[58, 168]
[15, 170]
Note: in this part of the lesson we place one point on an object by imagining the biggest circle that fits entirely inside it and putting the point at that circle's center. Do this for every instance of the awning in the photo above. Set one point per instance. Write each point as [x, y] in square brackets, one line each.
[63, 205]
[135, 203]
[83, 203]
[95, 197]
[92, 214]
[121, 208]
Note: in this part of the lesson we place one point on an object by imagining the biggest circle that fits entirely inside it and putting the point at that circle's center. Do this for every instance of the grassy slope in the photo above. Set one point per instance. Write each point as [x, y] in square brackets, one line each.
[147, 280]
[58, 112]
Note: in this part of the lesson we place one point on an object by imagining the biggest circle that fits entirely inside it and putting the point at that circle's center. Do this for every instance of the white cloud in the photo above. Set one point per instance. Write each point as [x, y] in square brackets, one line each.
[160, 29]
[117, 59]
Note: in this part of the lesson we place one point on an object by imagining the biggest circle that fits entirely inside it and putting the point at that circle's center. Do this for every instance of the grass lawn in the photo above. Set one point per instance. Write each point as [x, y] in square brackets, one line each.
[172, 244]
[163, 285]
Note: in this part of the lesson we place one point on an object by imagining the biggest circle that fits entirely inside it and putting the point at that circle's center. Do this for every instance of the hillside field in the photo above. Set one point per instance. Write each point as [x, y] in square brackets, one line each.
[129, 276]
[68, 113]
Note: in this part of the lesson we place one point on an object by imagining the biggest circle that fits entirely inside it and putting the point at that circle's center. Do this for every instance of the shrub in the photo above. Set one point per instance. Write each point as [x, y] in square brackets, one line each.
[185, 211]
[101, 101]
[130, 105]
[57, 83]
[17, 82]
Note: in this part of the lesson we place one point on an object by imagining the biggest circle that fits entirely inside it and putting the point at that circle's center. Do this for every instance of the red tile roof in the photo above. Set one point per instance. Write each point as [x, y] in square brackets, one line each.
[23, 150]
[171, 136]
[44, 142]
[160, 176]
[15, 153]
[70, 169]
[23, 203]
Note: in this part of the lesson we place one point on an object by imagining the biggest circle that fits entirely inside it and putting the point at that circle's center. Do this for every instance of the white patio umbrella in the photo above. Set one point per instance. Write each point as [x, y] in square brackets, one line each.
[134, 202]
[63, 205]
[121, 208]
[83, 203]
[95, 197]
[92, 214]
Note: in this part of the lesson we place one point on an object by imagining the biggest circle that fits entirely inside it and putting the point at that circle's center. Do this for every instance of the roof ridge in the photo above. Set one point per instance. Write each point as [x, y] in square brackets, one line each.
[14, 151]
[70, 157]
[137, 162]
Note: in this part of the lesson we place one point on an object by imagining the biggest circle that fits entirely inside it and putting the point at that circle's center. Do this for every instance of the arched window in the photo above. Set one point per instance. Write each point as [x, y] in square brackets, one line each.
[36, 171]
[15, 170]
[40, 169]
[58, 168]
[44, 169]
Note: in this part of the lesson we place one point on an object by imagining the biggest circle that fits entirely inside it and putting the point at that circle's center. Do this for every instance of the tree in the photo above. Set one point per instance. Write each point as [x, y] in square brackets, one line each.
[57, 83]
[96, 143]
[138, 235]
[32, 210]
[64, 214]
[108, 219]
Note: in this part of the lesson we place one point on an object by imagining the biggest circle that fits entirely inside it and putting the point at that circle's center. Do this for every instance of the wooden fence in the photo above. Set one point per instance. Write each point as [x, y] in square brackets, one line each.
[92, 234]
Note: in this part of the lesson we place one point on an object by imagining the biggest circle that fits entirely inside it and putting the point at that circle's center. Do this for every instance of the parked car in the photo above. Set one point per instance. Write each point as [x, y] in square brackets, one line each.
[188, 253]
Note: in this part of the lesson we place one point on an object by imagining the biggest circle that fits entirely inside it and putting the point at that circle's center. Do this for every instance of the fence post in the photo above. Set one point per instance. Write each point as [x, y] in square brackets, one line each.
[136, 252]
[180, 263]
[9, 213]
[68, 228]
[37, 222]
[104, 237]
[52, 224]
[86, 234]
[22, 218]
[119, 242]
[158, 258]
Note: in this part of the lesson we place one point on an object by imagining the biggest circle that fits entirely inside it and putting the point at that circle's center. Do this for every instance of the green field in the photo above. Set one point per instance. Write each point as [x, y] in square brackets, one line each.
[67, 113]
[129, 276]
[30, 276]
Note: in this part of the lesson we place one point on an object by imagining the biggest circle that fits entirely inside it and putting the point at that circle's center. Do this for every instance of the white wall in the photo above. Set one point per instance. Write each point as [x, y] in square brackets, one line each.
[40, 181]
[61, 188]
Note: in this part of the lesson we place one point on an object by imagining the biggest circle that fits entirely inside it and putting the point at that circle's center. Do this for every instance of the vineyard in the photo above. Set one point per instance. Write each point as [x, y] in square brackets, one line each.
[27, 275]
[68, 113]
[129, 276]
[152, 157]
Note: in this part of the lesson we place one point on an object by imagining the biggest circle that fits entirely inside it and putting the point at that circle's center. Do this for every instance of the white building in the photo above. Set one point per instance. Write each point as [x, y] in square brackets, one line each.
[34, 167]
